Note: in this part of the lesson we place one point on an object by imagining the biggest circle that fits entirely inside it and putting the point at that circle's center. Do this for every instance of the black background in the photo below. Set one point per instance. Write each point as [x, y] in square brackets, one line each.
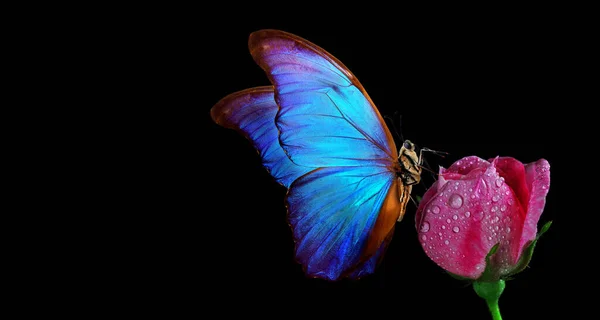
[465, 89]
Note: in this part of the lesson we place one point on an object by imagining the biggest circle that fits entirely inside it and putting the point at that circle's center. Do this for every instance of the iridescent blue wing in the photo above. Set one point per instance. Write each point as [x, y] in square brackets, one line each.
[252, 112]
[368, 266]
[342, 212]
[333, 212]
[326, 117]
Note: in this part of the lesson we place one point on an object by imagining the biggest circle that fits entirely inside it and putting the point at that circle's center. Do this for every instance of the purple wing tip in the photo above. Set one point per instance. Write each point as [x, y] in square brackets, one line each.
[257, 37]
[265, 40]
[221, 109]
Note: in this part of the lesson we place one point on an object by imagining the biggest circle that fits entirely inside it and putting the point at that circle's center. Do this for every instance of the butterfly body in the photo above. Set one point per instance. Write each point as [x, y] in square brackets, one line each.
[320, 135]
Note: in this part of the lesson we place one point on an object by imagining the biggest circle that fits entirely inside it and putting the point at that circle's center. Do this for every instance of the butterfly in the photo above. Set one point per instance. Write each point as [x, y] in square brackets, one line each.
[320, 135]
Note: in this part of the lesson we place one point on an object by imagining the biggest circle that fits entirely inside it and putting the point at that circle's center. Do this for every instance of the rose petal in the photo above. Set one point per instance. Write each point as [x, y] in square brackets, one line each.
[430, 193]
[444, 246]
[451, 175]
[467, 164]
[538, 182]
[513, 171]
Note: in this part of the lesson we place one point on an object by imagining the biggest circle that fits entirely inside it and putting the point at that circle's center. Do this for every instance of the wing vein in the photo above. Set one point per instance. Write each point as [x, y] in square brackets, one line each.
[310, 62]
[357, 128]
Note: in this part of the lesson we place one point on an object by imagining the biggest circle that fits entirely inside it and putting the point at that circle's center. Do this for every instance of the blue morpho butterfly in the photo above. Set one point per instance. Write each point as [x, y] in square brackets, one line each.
[320, 135]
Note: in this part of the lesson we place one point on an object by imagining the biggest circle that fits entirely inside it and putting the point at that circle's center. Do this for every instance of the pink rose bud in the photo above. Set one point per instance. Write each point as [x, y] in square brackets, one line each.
[476, 204]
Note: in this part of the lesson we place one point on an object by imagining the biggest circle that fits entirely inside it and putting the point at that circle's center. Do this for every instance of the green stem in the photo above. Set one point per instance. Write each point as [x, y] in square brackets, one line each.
[490, 292]
[494, 309]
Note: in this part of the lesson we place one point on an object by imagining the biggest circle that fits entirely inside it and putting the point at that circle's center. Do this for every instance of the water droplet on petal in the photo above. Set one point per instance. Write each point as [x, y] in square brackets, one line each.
[484, 185]
[424, 237]
[478, 216]
[467, 214]
[495, 198]
[456, 229]
[503, 208]
[448, 220]
[507, 229]
[435, 209]
[455, 201]
[443, 227]
[499, 182]
[544, 187]
[490, 238]
[507, 192]
[425, 226]
[446, 242]
[455, 217]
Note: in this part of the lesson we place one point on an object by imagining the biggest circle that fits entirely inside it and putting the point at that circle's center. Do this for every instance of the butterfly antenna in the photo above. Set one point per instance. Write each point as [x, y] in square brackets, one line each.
[399, 132]
[393, 124]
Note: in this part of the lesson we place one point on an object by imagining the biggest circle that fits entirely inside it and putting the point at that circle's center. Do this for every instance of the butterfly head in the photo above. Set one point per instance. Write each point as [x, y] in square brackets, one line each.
[410, 164]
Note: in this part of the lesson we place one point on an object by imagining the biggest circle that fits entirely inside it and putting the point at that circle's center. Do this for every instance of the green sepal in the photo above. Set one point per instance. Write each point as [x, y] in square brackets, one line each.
[528, 251]
[490, 291]
[489, 274]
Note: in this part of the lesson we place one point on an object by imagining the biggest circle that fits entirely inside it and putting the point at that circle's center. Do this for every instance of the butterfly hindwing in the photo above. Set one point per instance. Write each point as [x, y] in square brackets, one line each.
[332, 212]
[252, 112]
